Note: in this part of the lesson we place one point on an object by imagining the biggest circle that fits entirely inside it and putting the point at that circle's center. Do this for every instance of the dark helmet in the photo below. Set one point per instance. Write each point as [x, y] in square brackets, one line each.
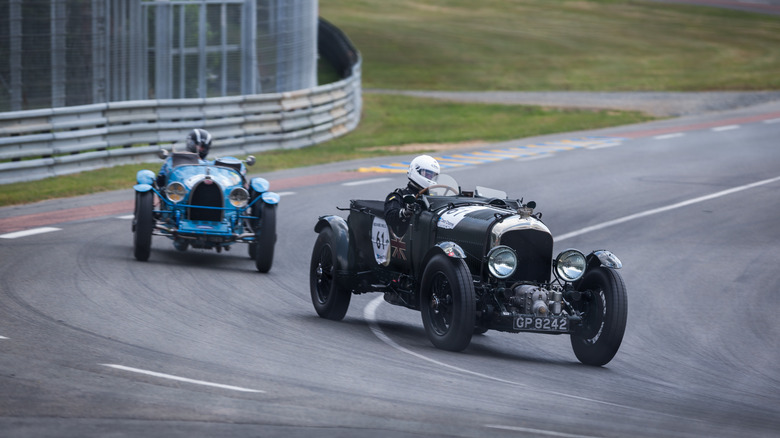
[199, 141]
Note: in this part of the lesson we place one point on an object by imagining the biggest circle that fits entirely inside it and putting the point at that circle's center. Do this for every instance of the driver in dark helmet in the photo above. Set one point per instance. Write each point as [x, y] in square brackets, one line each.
[198, 142]
[422, 173]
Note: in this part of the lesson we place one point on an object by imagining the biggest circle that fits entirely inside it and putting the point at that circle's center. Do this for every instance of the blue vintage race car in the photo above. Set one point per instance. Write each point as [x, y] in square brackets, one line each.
[205, 205]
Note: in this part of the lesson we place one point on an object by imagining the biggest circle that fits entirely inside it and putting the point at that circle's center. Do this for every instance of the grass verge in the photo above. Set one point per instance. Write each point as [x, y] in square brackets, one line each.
[584, 45]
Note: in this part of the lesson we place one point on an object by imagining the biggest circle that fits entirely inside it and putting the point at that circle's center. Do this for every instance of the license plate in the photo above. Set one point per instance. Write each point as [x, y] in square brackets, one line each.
[542, 323]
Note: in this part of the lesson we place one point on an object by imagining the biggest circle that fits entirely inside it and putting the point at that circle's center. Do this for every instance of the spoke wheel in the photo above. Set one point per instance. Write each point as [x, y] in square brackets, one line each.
[330, 301]
[604, 318]
[447, 303]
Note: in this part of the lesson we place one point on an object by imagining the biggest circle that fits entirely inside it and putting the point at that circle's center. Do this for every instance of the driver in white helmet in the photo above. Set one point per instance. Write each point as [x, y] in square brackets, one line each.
[422, 173]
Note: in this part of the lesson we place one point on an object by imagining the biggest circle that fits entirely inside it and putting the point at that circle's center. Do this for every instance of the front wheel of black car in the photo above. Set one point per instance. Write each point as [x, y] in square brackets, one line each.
[143, 225]
[265, 238]
[447, 303]
[604, 318]
[329, 300]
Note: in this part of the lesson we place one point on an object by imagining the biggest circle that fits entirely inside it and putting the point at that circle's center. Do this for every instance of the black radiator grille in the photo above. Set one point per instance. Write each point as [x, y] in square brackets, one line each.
[207, 195]
[534, 254]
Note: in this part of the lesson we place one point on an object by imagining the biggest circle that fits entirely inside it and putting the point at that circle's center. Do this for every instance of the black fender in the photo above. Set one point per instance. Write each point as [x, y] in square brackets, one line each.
[450, 249]
[602, 257]
[340, 231]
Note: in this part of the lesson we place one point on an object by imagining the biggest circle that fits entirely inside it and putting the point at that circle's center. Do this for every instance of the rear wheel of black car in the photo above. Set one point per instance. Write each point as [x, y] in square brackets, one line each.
[329, 300]
[143, 225]
[265, 237]
[447, 303]
[604, 319]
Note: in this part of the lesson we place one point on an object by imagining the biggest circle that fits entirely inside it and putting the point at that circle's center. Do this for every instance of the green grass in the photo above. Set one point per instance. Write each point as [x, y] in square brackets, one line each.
[387, 121]
[607, 45]
[558, 45]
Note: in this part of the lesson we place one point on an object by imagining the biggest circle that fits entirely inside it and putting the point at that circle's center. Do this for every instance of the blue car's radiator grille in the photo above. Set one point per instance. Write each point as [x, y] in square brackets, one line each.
[207, 195]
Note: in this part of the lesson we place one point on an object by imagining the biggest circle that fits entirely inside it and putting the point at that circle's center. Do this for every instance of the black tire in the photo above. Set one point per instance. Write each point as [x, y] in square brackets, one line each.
[252, 250]
[604, 321]
[254, 225]
[329, 300]
[143, 225]
[266, 239]
[447, 303]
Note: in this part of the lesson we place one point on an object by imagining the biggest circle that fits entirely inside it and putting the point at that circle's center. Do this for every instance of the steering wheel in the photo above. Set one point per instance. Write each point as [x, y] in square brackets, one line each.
[439, 186]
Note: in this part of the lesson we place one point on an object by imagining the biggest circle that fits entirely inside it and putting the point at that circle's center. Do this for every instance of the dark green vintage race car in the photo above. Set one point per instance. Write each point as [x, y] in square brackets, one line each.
[471, 262]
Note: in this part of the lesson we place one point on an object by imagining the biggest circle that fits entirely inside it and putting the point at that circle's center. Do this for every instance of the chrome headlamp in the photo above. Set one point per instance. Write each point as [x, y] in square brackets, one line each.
[238, 197]
[176, 192]
[502, 261]
[569, 265]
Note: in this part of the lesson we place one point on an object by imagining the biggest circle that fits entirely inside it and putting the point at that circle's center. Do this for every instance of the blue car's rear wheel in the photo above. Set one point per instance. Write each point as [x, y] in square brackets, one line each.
[447, 303]
[143, 224]
[330, 301]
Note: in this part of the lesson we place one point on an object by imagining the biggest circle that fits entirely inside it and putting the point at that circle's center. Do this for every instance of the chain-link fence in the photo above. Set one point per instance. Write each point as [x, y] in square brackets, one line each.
[75, 52]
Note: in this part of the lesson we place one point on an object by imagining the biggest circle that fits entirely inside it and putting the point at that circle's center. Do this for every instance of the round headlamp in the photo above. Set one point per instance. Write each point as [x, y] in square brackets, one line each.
[239, 197]
[502, 261]
[569, 265]
[176, 191]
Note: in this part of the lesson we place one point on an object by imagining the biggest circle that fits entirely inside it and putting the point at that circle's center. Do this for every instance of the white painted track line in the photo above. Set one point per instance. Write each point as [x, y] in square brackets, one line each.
[668, 136]
[180, 379]
[365, 181]
[664, 209]
[536, 432]
[29, 232]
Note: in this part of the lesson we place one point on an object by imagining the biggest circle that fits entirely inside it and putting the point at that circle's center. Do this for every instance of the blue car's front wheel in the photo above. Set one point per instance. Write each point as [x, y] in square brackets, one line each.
[143, 224]
[262, 250]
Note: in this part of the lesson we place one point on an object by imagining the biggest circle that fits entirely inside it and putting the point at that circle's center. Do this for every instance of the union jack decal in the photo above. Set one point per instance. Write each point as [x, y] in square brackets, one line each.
[398, 248]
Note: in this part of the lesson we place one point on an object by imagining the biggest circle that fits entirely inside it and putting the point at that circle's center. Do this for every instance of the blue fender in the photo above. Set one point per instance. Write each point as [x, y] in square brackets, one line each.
[270, 198]
[340, 229]
[145, 177]
[141, 188]
[259, 185]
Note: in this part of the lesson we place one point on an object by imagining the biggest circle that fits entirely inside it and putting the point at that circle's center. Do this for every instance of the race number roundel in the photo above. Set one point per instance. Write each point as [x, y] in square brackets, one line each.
[380, 238]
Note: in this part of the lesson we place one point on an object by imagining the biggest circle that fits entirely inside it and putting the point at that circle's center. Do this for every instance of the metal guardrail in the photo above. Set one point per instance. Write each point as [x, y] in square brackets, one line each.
[37, 144]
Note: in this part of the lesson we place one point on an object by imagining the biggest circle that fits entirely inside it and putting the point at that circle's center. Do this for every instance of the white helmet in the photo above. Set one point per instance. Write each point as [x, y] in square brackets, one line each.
[423, 171]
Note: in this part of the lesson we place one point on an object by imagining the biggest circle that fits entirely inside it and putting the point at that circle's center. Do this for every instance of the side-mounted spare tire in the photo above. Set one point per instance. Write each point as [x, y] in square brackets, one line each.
[143, 225]
[604, 319]
[330, 301]
[447, 303]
